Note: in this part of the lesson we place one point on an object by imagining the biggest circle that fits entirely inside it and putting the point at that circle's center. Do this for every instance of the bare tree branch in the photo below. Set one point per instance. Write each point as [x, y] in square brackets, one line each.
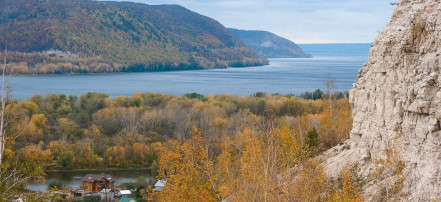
[2, 111]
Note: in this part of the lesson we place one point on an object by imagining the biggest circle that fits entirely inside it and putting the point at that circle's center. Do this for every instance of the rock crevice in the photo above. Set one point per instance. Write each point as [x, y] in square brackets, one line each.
[397, 98]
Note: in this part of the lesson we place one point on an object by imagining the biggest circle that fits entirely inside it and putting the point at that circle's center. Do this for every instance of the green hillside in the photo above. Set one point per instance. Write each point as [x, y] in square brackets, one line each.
[80, 36]
[269, 45]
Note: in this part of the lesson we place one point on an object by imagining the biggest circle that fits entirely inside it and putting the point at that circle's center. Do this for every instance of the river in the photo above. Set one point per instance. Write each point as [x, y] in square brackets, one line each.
[284, 76]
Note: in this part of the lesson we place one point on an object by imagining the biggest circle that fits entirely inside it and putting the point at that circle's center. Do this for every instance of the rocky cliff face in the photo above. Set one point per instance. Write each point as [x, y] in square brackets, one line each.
[396, 103]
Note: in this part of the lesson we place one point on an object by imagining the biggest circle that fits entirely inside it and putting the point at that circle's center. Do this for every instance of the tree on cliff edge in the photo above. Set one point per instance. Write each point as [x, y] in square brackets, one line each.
[14, 173]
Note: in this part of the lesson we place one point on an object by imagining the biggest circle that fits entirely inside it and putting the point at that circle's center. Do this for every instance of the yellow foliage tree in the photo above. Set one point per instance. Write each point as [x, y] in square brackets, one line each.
[227, 169]
[140, 152]
[311, 183]
[251, 168]
[37, 154]
[188, 173]
[35, 128]
[335, 123]
[389, 175]
[349, 192]
[293, 152]
[30, 106]
[116, 156]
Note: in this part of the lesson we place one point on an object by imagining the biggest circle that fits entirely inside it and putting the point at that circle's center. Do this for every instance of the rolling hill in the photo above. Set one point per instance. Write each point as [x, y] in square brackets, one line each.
[269, 45]
[81, 36]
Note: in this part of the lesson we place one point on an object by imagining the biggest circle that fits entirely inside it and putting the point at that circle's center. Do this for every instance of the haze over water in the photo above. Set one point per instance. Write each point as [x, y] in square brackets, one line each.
[290, 75]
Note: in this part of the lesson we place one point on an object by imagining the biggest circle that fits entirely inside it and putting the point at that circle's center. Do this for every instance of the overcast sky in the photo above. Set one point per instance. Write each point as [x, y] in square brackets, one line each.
[302, 21]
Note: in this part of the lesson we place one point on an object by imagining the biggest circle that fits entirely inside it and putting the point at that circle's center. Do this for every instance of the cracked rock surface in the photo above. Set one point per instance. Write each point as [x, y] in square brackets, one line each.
[397, 97]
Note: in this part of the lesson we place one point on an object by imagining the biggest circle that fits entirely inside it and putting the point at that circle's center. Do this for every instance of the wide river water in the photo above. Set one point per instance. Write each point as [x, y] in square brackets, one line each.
[284, 76]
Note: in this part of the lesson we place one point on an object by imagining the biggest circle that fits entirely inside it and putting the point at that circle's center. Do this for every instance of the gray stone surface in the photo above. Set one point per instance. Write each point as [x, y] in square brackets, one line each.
[398, 94]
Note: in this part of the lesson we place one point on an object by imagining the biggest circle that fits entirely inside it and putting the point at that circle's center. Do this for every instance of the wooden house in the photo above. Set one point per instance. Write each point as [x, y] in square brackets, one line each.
[96, 183]
[159, 185]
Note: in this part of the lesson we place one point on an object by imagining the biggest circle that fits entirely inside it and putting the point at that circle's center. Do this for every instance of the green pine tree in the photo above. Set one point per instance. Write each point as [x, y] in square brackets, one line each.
[312, 141]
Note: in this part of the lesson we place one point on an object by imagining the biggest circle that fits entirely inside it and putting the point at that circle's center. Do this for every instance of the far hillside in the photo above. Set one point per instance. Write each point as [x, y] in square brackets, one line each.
[85, 36]
[269, 45]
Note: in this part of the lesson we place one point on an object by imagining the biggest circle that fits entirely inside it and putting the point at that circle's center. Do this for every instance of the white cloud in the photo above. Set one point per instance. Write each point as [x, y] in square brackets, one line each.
[302, 21]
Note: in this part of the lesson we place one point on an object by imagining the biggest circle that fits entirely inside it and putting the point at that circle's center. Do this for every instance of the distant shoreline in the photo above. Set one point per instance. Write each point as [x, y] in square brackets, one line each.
[125, 72]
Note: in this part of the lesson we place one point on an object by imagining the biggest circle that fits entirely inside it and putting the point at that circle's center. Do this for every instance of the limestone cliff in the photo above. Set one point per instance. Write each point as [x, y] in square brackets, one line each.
[396, 100]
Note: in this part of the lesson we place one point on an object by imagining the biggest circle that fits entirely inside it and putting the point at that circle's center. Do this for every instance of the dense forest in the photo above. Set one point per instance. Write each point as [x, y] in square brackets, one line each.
[223, 145]
[120, 130]
[85, 36]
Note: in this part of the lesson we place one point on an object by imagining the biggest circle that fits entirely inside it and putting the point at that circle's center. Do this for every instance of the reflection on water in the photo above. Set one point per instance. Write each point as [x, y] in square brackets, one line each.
[73, 179]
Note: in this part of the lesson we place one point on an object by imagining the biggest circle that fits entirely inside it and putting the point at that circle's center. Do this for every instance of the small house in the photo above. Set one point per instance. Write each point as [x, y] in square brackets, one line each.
[107, 195]
[96, 183]
[125, 193]
[159, 185]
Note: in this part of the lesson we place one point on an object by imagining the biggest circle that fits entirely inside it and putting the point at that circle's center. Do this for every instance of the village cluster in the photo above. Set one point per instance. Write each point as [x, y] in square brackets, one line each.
[102, 186]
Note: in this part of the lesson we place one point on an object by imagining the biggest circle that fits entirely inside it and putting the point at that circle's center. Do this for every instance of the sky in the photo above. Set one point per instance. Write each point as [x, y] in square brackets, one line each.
[301, 21]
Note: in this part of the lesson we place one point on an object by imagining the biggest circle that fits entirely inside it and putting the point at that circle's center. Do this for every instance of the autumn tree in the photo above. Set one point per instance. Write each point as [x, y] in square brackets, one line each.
[251, 168]
[30, 106]
[389, 174]
[68, 129]
[92, 102]
[293, 152]
[335, 125]
[227, 170]
[14, 171]
[3, 121]
[349, 191]
[343, 123]
[188, 173]
[35, 128]
[36, 153]
[116, 156]
[142, 154]
[328, 118]
[311, 183]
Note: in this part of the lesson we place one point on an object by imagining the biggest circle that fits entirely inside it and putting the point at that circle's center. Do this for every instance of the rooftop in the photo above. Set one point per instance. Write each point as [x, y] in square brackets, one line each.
[160, 183]
[93, 177]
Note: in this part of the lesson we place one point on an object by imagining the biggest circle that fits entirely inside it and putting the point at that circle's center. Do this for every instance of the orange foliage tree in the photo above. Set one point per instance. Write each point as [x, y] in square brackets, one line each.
[188, 173]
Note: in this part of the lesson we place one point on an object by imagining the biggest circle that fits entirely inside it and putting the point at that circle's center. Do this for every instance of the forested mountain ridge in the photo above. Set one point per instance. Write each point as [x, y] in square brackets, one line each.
[269, 45]
[81, 36]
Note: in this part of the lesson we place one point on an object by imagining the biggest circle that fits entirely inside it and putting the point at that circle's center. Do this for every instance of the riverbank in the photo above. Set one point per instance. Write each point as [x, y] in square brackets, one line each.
[98, 169]
[123, 72]
[73, 178]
